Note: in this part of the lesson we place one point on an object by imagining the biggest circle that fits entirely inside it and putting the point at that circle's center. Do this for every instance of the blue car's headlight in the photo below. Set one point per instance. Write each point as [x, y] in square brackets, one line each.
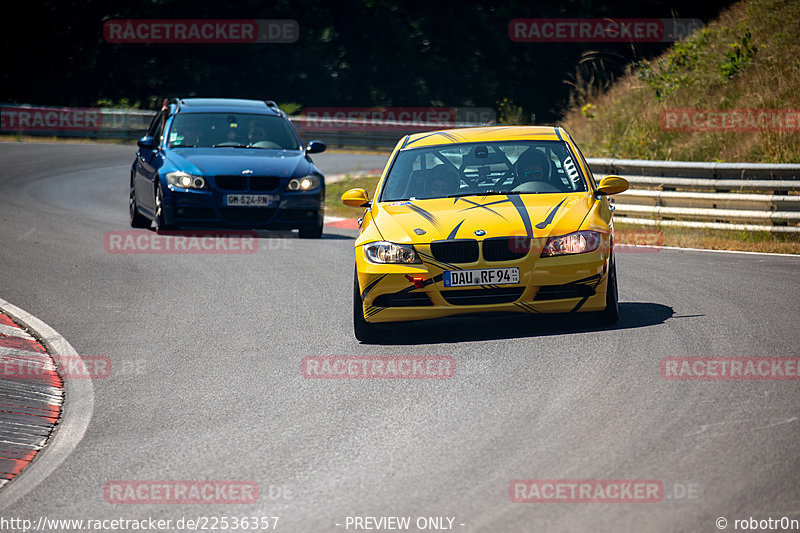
[382, 252]
[307, 183]
[580, 242]
[185, 180]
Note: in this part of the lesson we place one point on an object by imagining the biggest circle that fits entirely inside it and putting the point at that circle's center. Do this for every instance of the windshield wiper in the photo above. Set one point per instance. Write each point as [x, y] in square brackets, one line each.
[225, 145]
[483, 193]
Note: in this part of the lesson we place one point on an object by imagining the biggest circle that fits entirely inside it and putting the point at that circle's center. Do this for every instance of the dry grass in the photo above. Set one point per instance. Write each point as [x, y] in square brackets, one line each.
[333, 195]
[722, 240]
[748, 58]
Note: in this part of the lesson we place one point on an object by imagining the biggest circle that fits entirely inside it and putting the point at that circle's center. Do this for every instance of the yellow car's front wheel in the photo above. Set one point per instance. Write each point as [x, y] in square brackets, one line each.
[610, 314]
[364, 331]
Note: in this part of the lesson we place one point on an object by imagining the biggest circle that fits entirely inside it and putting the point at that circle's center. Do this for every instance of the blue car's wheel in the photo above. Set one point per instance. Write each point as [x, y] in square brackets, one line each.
[137, 220]
[315, 231]
[161, 224]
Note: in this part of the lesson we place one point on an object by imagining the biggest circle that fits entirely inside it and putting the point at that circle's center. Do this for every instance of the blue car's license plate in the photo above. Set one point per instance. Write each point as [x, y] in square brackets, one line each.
[249, 200]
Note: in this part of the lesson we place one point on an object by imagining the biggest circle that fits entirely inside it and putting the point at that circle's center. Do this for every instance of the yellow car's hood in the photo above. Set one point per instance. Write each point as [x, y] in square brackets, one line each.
[482, 217]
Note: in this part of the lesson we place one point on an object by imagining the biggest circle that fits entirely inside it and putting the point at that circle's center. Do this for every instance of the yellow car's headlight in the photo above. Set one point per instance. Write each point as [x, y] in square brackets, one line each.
[382, 252]
[580, 242]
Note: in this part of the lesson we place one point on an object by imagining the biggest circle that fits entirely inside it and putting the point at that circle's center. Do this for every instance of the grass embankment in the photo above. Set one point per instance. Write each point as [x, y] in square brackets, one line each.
[333, 195]
[722, 239]
[746, 59]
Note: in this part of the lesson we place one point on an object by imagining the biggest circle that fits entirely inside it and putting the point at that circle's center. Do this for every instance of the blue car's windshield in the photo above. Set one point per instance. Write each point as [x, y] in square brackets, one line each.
[512, 167]
[236, 130]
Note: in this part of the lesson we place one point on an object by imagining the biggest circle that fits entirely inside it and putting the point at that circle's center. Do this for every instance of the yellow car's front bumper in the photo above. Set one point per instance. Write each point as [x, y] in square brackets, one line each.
[562, 284]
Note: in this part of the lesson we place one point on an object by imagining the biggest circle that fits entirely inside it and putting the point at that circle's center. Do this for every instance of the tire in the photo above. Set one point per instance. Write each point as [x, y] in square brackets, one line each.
[160, 221]
[610, 314]
[313, 232]
[136, 219]
[364, 331]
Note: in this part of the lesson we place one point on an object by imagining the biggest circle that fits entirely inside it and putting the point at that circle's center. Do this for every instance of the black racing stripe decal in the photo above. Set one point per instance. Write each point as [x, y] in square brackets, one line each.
[517, 202]
[455, 230]
[579, 304]
[429, 281]
[427, 215]
[435, 262]
[371, 286]
[546, 222]
[527, 307]
[585, 298]
[558, 133]
[475, 205]
[372, 311]
[449, 136]
[405, 141]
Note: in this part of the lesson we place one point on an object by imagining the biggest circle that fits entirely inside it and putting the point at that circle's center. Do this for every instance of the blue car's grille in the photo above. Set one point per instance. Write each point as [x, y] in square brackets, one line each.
[248, 183]
[231, 183]
[264, 183]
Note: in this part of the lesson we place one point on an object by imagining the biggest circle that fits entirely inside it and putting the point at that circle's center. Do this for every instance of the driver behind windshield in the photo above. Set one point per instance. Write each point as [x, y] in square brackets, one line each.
[255, 133]
[190, 133]
[531, 166]
[443, 180]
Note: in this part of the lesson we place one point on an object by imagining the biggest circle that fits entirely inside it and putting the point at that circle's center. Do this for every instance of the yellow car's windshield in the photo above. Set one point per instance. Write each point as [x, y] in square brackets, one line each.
[518, 167]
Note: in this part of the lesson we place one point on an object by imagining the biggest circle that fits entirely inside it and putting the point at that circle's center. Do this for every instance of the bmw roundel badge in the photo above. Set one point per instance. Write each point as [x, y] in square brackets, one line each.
[480, 232]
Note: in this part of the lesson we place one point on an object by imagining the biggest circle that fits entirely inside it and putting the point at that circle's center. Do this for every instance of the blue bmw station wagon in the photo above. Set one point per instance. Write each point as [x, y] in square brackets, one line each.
[226, 163]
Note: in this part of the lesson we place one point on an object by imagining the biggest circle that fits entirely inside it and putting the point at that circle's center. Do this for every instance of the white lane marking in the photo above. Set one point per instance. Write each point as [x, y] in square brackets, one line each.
[739, 426]
[75, 415]
[772, 254]
[27, 233]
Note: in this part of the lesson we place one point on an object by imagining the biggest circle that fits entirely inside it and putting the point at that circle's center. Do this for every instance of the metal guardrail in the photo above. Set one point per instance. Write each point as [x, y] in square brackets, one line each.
[690, 169]
[728, 196]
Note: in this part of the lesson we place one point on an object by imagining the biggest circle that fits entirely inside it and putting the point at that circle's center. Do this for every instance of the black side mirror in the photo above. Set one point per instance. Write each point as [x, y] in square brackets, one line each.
[147, 142]
[315, 147]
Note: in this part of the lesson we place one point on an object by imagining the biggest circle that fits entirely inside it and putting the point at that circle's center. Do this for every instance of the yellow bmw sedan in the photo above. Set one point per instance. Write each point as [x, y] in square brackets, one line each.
[484, 220]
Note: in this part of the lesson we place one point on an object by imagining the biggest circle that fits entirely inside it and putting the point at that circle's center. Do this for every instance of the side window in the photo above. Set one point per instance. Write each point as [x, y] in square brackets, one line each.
[154, 124]
[585, 164]
[156, 128]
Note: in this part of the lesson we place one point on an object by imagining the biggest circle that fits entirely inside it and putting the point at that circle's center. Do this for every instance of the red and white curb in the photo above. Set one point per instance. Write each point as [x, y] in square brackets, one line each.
[43, 416]
[342, 223]
[30, 403]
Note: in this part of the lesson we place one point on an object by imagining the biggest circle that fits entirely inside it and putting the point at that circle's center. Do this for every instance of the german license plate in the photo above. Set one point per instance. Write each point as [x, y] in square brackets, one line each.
[249, 200]
[481, 276]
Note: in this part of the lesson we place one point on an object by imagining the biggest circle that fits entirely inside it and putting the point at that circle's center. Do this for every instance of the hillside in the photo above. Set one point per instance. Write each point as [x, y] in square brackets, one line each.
[743, 67]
